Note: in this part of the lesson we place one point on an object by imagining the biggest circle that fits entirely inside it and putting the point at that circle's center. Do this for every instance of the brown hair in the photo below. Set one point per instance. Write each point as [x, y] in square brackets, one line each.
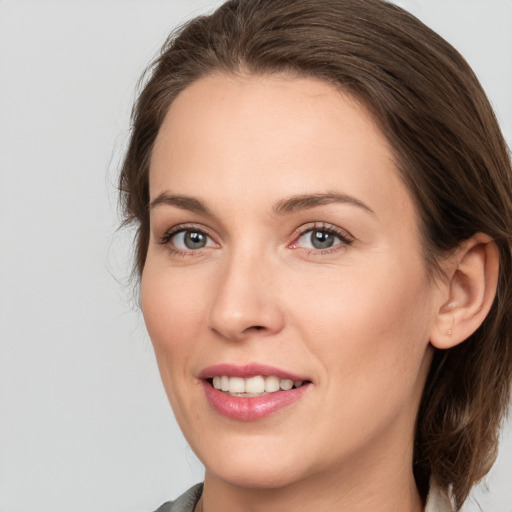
[449, 150]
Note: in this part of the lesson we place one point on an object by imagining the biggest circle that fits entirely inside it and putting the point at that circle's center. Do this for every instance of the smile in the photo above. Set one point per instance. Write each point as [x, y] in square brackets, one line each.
[251, 392]
[253, 386]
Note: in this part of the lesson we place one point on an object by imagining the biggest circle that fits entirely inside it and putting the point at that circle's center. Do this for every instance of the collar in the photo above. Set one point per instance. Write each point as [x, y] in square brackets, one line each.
[438, 500]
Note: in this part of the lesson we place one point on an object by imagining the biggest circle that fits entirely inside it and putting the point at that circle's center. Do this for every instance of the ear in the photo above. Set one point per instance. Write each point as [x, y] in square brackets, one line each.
[468, 293]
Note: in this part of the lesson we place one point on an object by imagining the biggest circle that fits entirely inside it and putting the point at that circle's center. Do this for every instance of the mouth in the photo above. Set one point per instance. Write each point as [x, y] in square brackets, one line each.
[251, 392]
[255, 386]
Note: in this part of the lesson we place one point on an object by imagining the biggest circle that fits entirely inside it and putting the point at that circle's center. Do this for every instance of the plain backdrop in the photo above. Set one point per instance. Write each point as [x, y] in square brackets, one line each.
[84, 422]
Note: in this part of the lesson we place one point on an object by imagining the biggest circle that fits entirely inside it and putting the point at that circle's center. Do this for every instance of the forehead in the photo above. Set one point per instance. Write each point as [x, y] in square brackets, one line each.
[265, 136]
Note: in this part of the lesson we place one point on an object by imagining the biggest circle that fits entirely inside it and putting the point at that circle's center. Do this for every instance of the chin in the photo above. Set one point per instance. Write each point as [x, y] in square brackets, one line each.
[255, 476]
[251, 467]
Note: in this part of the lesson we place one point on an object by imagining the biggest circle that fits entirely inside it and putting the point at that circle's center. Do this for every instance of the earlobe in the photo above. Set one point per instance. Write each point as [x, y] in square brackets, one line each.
[469, 291]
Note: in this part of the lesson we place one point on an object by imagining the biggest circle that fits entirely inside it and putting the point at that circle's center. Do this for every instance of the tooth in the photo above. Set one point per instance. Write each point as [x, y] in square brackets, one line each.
[286, 384]
[271, 384]
[224, 383]
[255, 385]
[236, 385]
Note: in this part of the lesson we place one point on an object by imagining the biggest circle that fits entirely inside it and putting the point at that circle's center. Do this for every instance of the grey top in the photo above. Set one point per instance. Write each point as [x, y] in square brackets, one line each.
[437, 501]
[185, 503]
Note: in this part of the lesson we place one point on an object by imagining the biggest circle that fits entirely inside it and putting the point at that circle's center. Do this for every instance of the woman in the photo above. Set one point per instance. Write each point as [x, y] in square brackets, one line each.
[323, 201]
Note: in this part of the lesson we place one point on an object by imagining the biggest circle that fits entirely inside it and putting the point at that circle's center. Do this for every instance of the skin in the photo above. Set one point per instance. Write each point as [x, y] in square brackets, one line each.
[356, 318]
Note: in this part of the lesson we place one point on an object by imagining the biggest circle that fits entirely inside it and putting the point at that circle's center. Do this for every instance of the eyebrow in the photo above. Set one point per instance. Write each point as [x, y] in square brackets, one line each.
[183, 202]
[306, 201]
[283, 207]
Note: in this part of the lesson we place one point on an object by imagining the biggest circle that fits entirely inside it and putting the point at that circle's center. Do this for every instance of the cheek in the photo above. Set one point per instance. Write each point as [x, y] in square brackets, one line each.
[369, 321]
[372, 339]
[374, 298]
[172, 312]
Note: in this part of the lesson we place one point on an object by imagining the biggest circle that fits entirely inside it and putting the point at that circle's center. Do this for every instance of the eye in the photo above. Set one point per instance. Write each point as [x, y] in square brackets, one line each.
[185, 240]
[317, 239]
[321, 238]
[190, 240]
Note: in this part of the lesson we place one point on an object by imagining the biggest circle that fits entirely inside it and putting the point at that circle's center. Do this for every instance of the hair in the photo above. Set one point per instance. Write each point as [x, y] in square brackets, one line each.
[449, 151]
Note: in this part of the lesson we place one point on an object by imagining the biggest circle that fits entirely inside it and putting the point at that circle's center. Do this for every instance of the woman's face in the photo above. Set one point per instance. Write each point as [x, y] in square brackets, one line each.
[284, 247]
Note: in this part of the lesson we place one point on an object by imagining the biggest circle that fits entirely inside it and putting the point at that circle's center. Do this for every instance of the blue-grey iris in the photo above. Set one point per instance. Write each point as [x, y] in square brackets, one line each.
[321, 239]
[195, 239]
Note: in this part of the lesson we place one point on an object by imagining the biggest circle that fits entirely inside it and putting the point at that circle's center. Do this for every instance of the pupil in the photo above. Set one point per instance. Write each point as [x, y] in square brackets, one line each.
[195, 240]
[321, 239]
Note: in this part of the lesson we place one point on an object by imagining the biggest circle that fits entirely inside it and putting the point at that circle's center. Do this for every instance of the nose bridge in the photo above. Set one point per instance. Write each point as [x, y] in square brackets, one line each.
[244, 302]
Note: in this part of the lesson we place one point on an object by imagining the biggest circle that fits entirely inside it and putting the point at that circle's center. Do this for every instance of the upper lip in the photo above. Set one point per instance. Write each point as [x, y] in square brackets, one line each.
[248, 370]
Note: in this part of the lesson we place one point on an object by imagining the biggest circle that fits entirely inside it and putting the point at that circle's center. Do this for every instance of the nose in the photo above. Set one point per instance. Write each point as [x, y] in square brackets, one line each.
[245, 301]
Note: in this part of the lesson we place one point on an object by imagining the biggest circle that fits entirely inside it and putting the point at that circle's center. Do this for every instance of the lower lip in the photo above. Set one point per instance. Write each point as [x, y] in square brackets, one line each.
[251, 408]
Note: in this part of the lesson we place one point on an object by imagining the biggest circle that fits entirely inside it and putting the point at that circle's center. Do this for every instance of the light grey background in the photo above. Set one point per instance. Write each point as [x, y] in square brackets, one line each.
[84, 423]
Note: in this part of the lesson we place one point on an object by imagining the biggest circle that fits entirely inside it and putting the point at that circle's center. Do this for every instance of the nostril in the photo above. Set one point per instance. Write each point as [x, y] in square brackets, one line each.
[254, 328]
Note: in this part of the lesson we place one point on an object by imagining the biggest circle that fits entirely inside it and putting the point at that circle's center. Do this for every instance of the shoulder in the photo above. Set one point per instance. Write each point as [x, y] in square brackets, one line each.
[185, 503]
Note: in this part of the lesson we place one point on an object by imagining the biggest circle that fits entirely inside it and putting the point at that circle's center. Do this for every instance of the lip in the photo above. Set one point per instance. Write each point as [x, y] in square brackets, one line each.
[254, 408]
[250, 408]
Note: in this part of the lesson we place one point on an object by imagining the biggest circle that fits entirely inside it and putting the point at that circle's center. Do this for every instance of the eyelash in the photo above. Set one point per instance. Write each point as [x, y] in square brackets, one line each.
[345, 238]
